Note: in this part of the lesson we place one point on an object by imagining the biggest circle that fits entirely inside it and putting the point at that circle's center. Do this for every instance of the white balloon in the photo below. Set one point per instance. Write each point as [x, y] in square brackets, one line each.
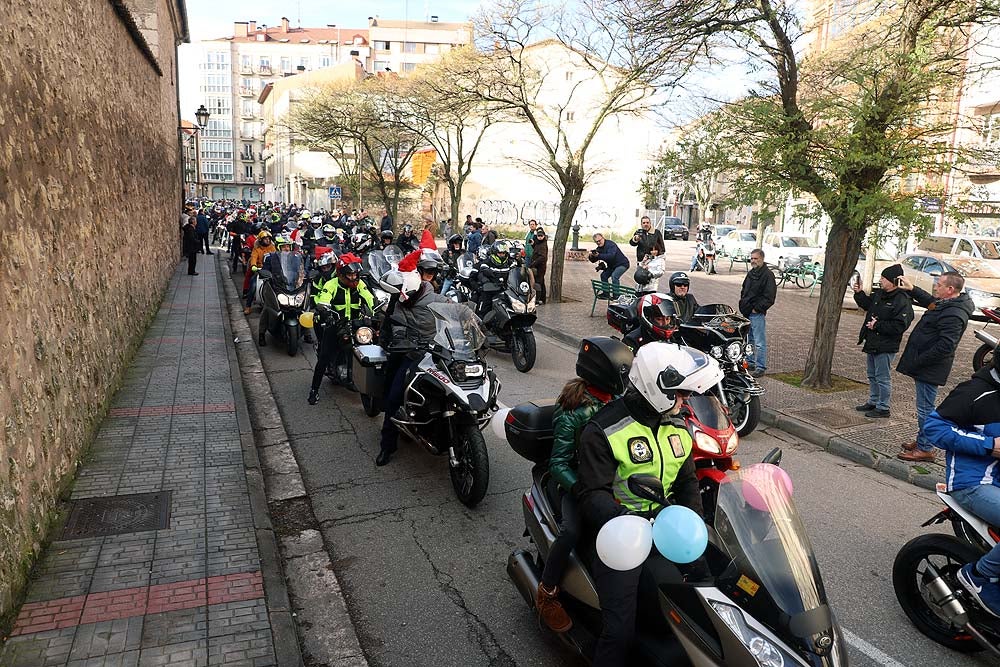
[497, 421]
[624, 542]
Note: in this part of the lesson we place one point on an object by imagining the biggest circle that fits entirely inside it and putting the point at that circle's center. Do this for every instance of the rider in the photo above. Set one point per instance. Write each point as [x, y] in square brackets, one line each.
[407, 316]
[348, 297]
[641, 433]
[684, 302]
[272, 263]
[328, 240]
[450, 257]
[262, 246]
[492, 276]
[601, 369]
[704, 242]
[385, 238]
[408, 241]
[967, 426]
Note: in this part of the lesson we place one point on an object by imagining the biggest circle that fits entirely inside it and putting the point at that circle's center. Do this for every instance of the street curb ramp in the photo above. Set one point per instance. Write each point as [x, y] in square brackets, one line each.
[300, 585]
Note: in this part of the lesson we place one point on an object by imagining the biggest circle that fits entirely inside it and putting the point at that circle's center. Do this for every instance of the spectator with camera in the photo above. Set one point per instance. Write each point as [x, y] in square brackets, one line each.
[647, 241]
[610, 260]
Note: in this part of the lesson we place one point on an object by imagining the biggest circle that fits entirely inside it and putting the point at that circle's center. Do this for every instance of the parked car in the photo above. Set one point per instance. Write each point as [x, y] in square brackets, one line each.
[982, 276]
[673, 228]
[720, 231]
[980, 247]
[782, 248]
[738, 242]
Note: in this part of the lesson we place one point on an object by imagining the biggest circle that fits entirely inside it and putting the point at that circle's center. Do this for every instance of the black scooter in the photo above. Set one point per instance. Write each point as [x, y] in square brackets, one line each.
[283, 296]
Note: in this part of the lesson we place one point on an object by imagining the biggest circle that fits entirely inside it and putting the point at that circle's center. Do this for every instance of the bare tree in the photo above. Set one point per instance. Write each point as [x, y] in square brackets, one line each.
[846, 124]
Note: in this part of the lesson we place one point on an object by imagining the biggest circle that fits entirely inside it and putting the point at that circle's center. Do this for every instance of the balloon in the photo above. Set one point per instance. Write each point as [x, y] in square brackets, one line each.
[497, 422]
[625, 542]
[680, 534]
[761, 481]
[306, 319]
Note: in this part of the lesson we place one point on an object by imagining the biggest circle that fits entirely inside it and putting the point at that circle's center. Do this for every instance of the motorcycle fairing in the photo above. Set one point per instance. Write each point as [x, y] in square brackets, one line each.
[980, 526]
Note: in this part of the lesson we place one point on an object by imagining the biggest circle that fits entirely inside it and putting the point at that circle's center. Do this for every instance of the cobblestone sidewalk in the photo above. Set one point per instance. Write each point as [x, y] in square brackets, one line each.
[111, 589]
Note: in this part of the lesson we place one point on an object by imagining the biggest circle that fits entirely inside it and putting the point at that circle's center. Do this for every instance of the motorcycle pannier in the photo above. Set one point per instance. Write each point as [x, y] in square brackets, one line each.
[368, 373]
[529, 429]
[620, 315]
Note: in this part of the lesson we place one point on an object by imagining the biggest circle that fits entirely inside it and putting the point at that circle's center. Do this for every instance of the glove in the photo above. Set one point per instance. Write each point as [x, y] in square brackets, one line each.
[255, 269]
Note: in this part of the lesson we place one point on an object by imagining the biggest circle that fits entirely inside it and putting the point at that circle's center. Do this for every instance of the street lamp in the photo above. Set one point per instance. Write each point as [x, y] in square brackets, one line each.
[202, 116]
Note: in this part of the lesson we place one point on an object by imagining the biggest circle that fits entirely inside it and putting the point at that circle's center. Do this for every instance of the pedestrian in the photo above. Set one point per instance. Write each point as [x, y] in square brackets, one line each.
[930, 350]
[475, 238]
[889, 314]
[538, 262]
[647, 241]
[185, 214]
[489, 235]
[201, 226]
[386, 224]
[529, 239]
[615, 261]
[192, 245]
[756, 298]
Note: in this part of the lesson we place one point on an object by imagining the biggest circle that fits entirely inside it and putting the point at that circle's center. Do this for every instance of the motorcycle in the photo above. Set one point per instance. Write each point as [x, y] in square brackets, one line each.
[984, 355]
[508, 322]
[449, 397]
[705, 257]
[283, 297]
[924, 577]
[763, 604]
[361, 330]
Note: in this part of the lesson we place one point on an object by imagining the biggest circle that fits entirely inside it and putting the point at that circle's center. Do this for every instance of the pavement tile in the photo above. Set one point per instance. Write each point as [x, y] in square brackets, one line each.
[94, 640]
[189, 653]
[246, 648]
[38, 650]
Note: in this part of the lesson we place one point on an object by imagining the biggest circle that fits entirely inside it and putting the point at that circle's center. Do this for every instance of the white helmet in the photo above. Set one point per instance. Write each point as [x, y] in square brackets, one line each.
[661, 369]
[397, 282]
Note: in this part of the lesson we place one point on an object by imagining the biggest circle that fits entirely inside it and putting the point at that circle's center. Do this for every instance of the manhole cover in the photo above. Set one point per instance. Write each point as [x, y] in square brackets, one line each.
[113, 515]
[833, 417]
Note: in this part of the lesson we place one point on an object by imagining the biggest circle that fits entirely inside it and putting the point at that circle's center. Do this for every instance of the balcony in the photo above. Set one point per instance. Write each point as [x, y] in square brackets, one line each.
[248, 92]
[983, 170]
[247, 158]
[246, 69]
[265, 70]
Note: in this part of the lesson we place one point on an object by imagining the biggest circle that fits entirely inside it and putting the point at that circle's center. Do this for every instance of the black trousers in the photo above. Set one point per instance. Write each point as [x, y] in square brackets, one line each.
[569, 533]
[540, 285]
[330, 351]
[192, 262]
[395, 374]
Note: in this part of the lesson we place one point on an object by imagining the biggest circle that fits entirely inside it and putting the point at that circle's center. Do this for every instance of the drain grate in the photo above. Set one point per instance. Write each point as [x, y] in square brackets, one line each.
[114, 515]
[833, 417]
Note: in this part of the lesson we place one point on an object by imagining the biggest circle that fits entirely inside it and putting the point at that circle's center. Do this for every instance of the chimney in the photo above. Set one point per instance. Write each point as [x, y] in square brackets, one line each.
[240, 29]
[284, 24]
[253, 27]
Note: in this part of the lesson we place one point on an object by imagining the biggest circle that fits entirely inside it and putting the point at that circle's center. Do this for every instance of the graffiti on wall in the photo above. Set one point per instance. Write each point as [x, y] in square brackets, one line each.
[590, 216]
[976, 228]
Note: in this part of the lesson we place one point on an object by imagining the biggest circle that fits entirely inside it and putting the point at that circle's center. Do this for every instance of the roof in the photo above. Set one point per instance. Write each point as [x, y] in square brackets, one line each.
[419, 25]
[296, 35]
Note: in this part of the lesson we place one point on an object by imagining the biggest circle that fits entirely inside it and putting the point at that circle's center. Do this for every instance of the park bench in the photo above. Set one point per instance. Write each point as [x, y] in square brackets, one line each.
[608, 292]
[739, 257]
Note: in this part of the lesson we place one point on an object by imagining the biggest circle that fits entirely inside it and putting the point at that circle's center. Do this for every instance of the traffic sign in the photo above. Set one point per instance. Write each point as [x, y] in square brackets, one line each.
[260, 190]
[336, 192]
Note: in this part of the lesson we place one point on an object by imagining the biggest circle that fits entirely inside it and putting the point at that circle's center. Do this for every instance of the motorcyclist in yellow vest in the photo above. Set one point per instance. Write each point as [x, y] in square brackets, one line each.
[640, 433]
[349, 298]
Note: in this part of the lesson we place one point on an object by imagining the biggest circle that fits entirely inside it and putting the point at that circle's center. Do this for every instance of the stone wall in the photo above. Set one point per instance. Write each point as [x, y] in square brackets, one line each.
[89, 204]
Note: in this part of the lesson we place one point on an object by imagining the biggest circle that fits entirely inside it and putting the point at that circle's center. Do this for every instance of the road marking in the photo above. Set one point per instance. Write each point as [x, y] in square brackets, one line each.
[872, 652]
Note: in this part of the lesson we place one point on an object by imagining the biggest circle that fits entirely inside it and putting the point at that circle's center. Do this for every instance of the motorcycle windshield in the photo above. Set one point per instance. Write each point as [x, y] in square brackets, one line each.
[517, 281]
[708, 410]
[773, 564]
[713, 309]
[377, 263]
[393, 255]
[293, 272]
[457, 328]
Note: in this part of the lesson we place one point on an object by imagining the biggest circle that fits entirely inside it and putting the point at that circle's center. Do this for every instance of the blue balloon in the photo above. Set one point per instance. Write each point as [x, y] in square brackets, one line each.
[679, 534]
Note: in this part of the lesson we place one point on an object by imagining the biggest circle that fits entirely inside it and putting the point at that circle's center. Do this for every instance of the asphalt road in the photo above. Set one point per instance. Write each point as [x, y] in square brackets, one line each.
[424, 576]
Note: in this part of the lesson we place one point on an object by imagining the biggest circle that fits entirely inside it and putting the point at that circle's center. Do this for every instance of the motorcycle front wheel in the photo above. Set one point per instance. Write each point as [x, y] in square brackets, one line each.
[746, 415]
[947, 554]
[471, 476]
[522, 350]
[292, 340]
[983, 356]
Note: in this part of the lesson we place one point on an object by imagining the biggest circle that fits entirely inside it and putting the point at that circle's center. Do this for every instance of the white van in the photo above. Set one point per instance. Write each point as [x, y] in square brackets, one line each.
[979, 247]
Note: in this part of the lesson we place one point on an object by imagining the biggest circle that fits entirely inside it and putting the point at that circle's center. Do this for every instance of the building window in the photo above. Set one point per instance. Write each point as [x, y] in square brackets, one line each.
[409, 67]
[219, 127]
[247, 153]
[248, 172]
[249, 108]
[286, 64]
[432, 48]
[409, 47]
[382, 46]
[216, 149]
[381, 66]
[305, 61]
[569, 76]
[991, 129]
[246, 64]
[216, 171]
[324, 61]
[570, 116]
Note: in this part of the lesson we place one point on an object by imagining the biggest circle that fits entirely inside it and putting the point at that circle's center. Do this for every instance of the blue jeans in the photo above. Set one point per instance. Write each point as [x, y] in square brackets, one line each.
[880, 379]
[614, 275]
[251, 290]
[758, 336]
[926, 395]
[984, 501]
[446, 285]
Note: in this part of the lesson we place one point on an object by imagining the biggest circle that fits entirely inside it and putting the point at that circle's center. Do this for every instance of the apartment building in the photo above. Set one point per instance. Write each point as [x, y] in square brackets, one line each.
[233, 71]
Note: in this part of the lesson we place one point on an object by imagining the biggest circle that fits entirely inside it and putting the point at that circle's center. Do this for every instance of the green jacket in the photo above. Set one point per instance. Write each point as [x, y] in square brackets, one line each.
[347, 302]
[566, 437]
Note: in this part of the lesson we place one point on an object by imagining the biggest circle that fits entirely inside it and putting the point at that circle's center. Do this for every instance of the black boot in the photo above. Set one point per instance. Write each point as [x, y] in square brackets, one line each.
[262, 339]
[313, 396]
[384, 456]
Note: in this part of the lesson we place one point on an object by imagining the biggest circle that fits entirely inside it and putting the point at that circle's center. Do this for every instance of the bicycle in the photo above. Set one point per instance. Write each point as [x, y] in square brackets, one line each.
[802, 273]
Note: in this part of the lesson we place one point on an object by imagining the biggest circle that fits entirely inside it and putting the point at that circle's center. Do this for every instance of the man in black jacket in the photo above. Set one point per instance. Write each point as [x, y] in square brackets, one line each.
[647, 241]
[756, 298]
[889, 314]
[930, 351]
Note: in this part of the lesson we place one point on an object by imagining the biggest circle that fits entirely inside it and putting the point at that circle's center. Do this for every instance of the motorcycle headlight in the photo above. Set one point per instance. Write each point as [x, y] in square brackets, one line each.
[531, 305]
[707, 443]
[474, 370]
[284, 300]
[734, 351]
[748, 349]
[517, 305]
[761, 648]
[364, 335]
[716, 351]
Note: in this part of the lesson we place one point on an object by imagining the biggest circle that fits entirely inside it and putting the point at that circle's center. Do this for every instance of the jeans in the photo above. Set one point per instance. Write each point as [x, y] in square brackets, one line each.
[926, 395]
[446, 285]
[614, 275]
[251, 289]
[758, 336]
[880, 379]
[983, 501]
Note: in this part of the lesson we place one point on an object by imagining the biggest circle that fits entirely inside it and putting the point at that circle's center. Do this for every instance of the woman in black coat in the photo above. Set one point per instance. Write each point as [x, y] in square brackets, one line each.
[539, 261]
[191, 245]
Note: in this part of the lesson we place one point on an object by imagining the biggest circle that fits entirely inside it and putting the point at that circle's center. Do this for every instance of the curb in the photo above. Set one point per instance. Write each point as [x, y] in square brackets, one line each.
[827, 440]
[275, 484]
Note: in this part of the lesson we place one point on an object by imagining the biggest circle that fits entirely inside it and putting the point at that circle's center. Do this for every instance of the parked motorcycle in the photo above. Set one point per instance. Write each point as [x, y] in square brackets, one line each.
[924, 576]
[984, 355]
[705, 257]
[449, 397]
[283, 297]
[763, 604]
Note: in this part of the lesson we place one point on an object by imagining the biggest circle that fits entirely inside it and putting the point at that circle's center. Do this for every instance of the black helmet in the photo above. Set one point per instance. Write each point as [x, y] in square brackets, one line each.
[453, 239]
[604, 362]
[679, 278]
[642, 276]
[407, 228]
[387, 235]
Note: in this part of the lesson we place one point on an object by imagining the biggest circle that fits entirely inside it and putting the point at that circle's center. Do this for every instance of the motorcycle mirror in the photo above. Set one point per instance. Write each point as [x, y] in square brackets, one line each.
[647, 487]
[773, 457]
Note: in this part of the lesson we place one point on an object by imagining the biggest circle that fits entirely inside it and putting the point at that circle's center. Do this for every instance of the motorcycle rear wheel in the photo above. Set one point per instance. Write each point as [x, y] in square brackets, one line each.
[522, 350]
[471, 477]
[948, 554]
[983, 356]
[745, 416]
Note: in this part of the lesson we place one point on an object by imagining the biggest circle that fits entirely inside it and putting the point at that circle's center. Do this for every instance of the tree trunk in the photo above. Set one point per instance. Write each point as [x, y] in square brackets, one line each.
[567, 212]
[842, 248]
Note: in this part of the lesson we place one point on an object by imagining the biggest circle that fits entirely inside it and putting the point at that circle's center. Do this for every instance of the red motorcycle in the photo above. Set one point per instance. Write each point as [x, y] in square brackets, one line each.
[984, 355]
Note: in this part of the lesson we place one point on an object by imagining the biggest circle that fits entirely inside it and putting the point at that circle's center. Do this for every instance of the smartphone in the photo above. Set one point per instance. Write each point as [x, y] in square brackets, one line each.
[899, 281]
[857, 281]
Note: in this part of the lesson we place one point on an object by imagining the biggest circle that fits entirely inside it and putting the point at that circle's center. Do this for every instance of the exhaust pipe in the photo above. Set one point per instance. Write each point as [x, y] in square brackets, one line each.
[522, 571]
[986, 338]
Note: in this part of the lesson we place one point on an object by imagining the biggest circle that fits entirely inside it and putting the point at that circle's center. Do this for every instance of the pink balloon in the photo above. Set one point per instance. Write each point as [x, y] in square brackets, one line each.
[762, 481]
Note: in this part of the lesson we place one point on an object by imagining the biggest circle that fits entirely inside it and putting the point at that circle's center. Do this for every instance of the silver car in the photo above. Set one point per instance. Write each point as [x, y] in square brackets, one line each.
[982, 276]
